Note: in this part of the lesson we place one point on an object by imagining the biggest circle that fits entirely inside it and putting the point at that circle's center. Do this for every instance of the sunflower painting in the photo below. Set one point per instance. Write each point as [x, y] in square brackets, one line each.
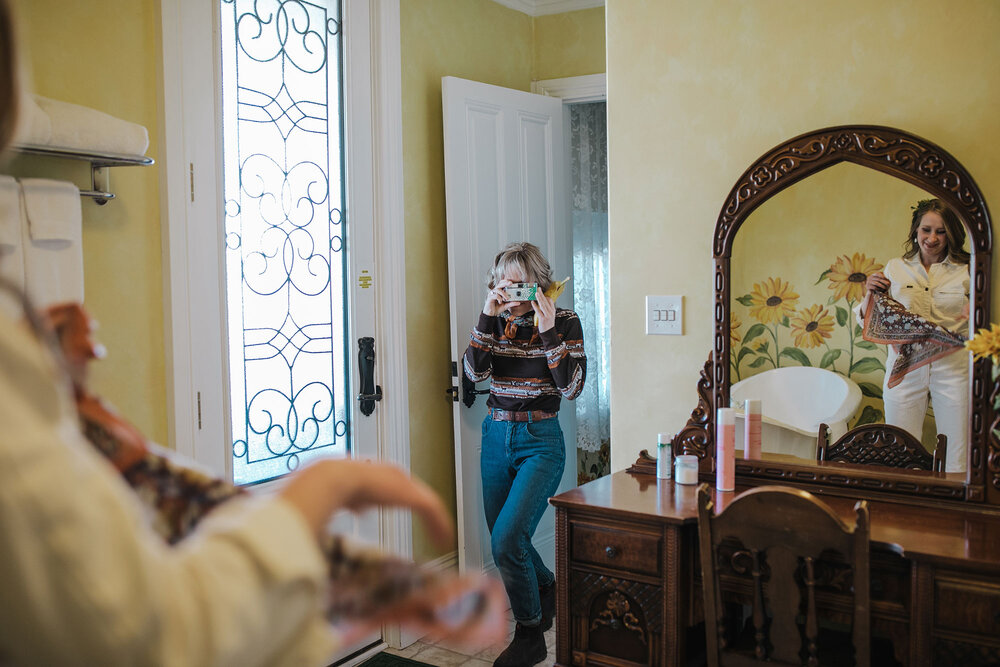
[826, 335]
[811, 327]
[847, 276]
[772, 301]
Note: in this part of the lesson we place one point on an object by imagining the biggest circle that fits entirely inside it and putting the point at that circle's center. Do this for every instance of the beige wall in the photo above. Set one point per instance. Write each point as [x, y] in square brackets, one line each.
[697, 91]
[109, 60]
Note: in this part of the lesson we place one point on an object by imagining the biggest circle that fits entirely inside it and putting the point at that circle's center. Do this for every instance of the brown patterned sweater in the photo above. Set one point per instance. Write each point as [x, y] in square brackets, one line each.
[528, 370]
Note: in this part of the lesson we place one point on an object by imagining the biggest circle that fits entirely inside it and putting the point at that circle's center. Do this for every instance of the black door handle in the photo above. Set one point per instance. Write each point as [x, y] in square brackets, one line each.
[370, 392]
[469, 391]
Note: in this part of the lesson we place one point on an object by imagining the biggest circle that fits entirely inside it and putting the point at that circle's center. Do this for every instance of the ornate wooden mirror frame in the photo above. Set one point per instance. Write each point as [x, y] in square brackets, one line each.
[924, 165]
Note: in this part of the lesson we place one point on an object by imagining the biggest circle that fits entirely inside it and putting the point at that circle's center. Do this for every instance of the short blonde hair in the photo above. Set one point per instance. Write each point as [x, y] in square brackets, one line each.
[10, 83]
[526, 257]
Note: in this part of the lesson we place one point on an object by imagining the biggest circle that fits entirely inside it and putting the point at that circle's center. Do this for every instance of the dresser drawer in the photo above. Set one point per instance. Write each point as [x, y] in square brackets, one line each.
[619, 548]
[967, 604]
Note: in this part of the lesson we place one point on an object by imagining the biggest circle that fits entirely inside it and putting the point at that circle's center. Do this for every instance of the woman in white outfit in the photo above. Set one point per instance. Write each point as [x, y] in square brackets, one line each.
[931, 280]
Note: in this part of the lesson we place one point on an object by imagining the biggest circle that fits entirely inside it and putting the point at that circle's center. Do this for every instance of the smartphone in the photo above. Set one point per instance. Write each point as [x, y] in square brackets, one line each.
[522, 291]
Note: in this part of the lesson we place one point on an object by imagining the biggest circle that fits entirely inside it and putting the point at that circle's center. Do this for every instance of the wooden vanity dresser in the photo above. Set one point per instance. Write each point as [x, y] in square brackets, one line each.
[627, 546]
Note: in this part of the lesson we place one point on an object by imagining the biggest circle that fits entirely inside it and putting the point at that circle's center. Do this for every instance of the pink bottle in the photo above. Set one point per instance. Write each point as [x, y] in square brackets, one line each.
[725, 450]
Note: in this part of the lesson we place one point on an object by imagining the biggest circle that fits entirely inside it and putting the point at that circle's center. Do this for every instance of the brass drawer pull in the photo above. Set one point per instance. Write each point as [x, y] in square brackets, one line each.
[611, 552]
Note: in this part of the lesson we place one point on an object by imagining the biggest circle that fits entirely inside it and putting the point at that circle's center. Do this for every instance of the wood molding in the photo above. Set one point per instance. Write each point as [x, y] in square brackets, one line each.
[543, 7]
[574, 89]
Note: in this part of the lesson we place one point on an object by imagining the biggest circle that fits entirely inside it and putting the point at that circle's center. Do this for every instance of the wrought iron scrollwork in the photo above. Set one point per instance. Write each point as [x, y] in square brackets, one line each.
[284, 232]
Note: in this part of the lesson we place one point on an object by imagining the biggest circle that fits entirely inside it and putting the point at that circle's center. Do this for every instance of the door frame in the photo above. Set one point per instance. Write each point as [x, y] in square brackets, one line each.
[193, 255]
[574, 89]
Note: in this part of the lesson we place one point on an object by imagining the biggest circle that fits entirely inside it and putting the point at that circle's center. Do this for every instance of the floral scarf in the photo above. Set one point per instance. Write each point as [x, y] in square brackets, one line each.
[916, 340]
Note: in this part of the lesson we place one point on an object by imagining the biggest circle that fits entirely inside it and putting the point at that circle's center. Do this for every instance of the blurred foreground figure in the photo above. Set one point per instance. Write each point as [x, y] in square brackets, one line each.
[87, 580]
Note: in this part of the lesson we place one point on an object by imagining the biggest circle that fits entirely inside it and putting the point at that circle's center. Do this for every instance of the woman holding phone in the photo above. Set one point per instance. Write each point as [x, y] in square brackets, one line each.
[531, 368]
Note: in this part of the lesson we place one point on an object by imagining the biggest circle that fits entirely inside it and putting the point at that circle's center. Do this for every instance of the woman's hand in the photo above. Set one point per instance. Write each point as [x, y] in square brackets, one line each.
[877, 282]
[496, 299]
[329, 485]
[467, 612]
[546, 310]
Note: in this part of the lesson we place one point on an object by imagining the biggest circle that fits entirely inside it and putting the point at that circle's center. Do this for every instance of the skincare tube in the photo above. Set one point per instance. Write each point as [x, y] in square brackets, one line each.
[725, 449]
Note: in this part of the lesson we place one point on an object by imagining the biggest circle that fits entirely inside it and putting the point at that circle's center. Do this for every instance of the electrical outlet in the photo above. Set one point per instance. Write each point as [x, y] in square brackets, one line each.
[665, 315]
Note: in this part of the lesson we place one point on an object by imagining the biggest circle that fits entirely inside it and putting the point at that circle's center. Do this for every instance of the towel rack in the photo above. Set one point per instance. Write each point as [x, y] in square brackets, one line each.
[100, 181]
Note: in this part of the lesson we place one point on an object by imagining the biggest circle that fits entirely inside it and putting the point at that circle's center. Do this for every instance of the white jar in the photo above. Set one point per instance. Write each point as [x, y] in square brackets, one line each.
[686, 469]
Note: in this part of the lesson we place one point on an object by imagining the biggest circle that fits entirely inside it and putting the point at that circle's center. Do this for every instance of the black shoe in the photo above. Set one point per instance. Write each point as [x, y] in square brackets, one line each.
[526, 649]
[547, 595]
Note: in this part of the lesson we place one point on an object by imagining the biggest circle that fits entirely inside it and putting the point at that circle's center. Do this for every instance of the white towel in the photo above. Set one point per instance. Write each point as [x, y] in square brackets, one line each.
[75, 126]
[53, 209]
[33, 124]
[53, 241]
[11, 249]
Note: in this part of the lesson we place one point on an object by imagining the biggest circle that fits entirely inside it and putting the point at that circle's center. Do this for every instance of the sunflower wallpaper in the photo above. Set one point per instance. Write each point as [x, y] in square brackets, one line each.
[799, 268]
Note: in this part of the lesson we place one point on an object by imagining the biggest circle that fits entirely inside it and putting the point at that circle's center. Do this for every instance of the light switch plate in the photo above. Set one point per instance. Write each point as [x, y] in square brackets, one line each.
[665, 315]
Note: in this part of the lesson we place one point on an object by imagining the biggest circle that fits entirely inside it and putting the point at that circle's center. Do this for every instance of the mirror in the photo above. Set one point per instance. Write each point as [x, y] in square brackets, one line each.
[916, 163]
[810, 248]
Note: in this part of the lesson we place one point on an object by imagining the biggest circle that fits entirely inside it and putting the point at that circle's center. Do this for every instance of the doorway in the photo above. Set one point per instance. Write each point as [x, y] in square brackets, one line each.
[588, 181]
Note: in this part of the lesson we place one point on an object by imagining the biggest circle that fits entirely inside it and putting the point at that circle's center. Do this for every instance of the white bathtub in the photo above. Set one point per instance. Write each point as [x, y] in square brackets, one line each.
[794, 402]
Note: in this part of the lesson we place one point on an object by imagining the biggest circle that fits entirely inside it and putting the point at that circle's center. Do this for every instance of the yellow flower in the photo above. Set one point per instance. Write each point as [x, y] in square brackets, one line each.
[811, 326]
[986, 343]
[772, 300]
[848, 275]
[734, 324]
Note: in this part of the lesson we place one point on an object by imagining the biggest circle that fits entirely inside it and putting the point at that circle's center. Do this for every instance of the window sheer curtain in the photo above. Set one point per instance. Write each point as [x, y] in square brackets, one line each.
[589, 180]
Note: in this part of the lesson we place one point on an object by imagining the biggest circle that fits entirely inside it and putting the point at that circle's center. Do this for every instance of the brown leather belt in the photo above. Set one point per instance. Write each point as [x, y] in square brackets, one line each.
[517, 416]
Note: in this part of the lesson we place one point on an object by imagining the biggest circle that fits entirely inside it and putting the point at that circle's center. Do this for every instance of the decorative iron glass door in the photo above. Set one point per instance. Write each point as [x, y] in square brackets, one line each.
[284, 234]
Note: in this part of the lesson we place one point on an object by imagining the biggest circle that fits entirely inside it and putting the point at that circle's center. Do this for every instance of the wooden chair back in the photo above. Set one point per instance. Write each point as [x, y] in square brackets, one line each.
[777, 536]
[883, 445]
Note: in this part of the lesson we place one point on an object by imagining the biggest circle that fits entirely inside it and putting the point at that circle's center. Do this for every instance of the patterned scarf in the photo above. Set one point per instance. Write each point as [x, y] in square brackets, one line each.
[363, 581]
[917, 341]
[511, 327]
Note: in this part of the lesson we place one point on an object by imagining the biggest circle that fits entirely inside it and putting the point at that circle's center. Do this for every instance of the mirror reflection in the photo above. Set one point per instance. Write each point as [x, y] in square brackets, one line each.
[799, 269]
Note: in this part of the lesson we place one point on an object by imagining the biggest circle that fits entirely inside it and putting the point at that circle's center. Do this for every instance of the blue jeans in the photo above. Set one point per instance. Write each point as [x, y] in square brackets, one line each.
[521, 465]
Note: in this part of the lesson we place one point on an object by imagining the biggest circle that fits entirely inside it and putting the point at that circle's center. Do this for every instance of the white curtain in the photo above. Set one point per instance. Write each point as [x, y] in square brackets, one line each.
[589, 180]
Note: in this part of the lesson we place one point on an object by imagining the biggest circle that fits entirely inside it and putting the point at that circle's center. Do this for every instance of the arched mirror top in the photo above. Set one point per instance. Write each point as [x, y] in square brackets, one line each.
[935, 171]
[891, 151]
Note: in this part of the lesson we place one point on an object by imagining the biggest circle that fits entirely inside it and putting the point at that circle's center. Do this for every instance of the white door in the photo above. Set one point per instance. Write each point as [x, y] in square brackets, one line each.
[505, 180]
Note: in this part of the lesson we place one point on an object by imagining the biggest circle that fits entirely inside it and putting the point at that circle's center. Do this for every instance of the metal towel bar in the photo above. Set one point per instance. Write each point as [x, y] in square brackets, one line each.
[99, 163]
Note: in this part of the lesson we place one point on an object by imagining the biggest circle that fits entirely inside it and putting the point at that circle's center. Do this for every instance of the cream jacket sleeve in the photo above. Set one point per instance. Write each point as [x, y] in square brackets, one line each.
[83, 580]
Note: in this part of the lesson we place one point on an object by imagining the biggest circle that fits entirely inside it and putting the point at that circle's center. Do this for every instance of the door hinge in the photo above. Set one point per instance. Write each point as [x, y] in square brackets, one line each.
[199, 410]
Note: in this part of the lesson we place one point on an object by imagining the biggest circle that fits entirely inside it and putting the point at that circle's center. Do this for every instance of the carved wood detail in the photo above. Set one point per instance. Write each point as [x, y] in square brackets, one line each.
[587, 585]
[697, 436]
[955, 652]
[862, 483]
[880, 444]
[907, 157]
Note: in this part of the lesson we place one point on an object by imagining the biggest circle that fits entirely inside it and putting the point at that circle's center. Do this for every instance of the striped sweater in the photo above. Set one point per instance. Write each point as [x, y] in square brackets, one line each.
[527, 370]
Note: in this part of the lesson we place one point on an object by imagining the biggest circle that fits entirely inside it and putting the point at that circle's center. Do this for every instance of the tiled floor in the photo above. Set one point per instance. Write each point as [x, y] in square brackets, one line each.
[440, 655]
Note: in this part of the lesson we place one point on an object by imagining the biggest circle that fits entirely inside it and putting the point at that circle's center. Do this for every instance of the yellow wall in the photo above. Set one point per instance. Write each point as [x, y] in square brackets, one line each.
[697, 91]
[570, 44]
[483, 41]
[108, 60]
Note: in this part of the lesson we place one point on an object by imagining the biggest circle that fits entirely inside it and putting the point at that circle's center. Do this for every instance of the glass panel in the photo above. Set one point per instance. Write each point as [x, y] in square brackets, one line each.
[285, 264]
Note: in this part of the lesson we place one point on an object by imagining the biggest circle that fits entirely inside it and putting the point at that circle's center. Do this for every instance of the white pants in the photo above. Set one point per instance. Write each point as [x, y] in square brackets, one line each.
[947, 380]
